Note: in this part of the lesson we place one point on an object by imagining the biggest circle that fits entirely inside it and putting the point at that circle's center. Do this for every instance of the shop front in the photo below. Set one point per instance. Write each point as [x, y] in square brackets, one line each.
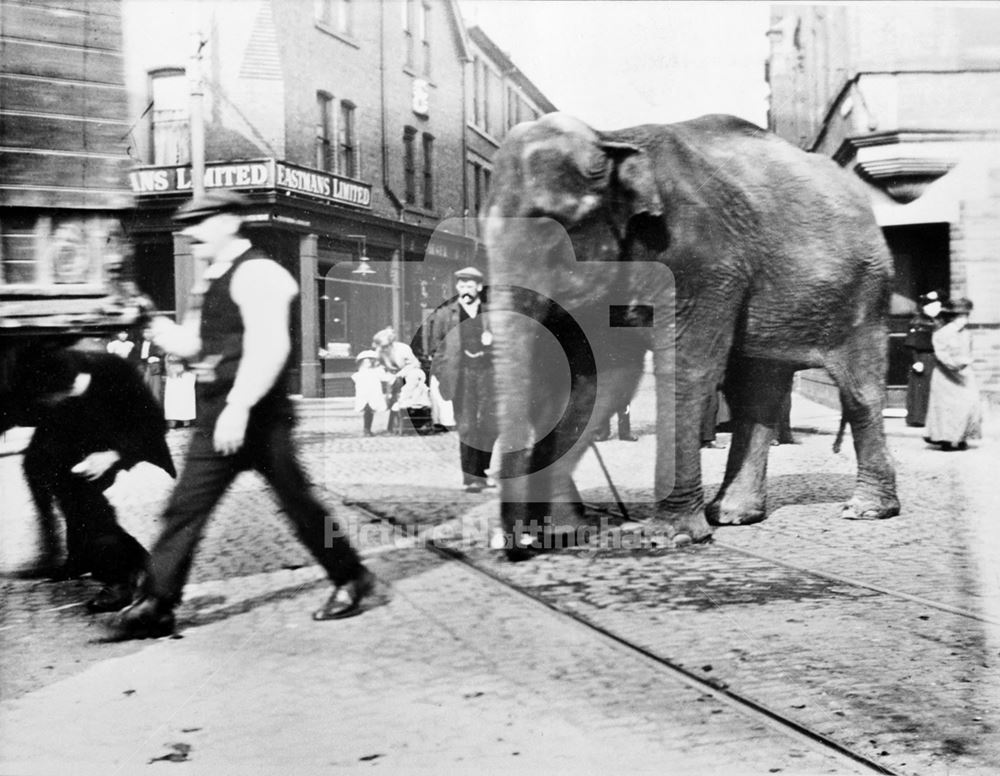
[358, 272]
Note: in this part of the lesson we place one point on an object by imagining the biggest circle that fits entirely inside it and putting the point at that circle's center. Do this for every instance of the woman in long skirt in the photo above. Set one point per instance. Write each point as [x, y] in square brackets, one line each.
[954, 413]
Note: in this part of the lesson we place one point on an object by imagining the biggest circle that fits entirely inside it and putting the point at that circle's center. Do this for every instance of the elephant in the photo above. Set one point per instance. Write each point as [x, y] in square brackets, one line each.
[733, 256]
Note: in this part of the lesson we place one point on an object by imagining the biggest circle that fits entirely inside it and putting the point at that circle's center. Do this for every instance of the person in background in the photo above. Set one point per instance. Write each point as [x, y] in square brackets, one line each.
[238, 323]
[624, 427]
[919, 339]
[711, 417]
[369, 396]
[179, 405]
[93, 417]
[461, 354]
[395, 358]
[954, 411]
[151, 364]
[785, 436]
[121, 345]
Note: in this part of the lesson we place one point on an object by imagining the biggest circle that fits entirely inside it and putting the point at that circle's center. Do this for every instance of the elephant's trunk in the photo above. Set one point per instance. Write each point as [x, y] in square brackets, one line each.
[514, 385]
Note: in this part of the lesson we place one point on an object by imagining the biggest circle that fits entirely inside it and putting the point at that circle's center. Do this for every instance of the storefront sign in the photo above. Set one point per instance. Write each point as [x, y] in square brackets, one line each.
[258, 174]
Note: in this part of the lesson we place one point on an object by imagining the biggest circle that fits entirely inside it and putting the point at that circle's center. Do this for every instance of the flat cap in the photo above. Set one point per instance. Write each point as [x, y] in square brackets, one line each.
[212, 202]
[469, 273]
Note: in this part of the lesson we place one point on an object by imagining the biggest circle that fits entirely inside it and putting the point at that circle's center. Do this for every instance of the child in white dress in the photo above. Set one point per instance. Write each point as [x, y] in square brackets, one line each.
[369, 396]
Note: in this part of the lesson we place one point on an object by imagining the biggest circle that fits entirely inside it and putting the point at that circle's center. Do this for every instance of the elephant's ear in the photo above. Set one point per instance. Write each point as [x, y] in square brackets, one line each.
[637, 203]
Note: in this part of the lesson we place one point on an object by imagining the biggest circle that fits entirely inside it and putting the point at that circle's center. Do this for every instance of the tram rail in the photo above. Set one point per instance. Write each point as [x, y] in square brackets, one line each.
[745, 704]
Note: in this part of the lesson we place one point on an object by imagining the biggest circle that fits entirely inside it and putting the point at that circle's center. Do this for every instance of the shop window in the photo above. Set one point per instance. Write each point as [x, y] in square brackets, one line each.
[170, 124]
[324, 131]
[409, 165]
[428, 171]
[347, 160]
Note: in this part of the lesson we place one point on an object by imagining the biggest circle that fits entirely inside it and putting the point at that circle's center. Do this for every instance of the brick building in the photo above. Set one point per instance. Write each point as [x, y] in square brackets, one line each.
[345, 123]
[63, 184]
[906, 96]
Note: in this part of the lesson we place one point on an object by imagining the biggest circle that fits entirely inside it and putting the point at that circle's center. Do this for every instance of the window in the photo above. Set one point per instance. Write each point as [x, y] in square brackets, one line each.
[479, 188]
[486, 85]
[338, 15]
[170, 126]
[428, 171]
[409, 166]
[324, 131]
[477, 90]
[425, 38]
[409, 12]
[19, 252]
[513, 104]
[347, 158]
[492, 101]
[482, 90]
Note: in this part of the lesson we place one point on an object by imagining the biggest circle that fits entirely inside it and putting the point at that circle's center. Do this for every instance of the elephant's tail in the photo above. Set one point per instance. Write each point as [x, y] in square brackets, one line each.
[840, 433]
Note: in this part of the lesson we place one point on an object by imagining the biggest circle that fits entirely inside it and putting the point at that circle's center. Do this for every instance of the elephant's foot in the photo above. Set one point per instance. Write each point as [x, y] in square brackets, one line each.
[728, 511]
[682, 528]
[870, 508]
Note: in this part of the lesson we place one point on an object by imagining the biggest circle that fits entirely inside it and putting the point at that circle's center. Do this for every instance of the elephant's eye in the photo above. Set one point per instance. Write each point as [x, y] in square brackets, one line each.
[598, 168]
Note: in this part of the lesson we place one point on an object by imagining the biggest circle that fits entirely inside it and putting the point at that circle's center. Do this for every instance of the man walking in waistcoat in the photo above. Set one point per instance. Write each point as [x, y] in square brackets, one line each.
[460, 343]
[240, 329]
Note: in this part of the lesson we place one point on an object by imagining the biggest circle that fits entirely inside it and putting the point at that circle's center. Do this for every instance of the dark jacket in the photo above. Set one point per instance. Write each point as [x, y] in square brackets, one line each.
[446, 349]
[116, 411]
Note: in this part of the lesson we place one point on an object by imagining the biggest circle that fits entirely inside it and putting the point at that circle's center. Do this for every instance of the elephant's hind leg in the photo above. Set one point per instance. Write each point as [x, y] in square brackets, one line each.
[860, 378]
[755, 390]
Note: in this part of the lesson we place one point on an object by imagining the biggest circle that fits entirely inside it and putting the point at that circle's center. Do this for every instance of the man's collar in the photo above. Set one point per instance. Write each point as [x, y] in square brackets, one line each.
[221, 263]
[472, 307]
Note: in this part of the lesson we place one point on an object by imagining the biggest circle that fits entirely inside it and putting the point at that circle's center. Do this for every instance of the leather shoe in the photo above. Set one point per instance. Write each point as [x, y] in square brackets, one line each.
[348, 599]
[147, 618]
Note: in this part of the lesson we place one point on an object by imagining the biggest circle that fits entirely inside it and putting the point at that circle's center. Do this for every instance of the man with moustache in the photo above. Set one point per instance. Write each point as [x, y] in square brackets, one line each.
[460, 346]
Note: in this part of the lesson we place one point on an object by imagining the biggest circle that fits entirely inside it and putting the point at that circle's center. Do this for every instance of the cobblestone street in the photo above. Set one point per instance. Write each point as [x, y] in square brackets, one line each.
[881, 636]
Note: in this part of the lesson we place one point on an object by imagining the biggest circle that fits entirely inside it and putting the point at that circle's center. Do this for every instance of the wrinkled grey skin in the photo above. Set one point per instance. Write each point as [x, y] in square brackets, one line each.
[778, 265]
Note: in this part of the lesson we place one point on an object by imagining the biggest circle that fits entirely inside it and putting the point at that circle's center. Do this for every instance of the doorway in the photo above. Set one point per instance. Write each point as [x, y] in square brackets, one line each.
[921, 256]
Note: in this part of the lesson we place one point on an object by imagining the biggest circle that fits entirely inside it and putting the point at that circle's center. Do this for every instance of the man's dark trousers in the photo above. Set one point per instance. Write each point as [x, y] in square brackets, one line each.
[475, 419]
[268, 448]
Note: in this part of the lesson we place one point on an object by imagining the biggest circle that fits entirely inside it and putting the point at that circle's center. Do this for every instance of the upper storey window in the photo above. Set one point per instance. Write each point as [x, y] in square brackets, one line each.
[338, 15]
[416, 34]
[170, 126]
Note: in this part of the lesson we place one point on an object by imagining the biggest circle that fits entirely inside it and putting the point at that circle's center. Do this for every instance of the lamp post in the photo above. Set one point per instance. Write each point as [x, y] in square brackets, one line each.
[197, 111]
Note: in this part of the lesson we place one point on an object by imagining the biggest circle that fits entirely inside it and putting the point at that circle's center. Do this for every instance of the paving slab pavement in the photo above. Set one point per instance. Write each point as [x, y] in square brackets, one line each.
[455, 675]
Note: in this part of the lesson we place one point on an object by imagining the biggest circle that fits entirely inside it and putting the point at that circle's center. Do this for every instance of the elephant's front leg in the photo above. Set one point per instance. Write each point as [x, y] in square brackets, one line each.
[680, 500]
[754, 390]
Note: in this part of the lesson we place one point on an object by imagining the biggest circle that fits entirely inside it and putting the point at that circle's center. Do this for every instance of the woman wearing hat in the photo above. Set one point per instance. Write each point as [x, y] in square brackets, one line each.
[396, 359]
[918, 340]
[954, 413]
